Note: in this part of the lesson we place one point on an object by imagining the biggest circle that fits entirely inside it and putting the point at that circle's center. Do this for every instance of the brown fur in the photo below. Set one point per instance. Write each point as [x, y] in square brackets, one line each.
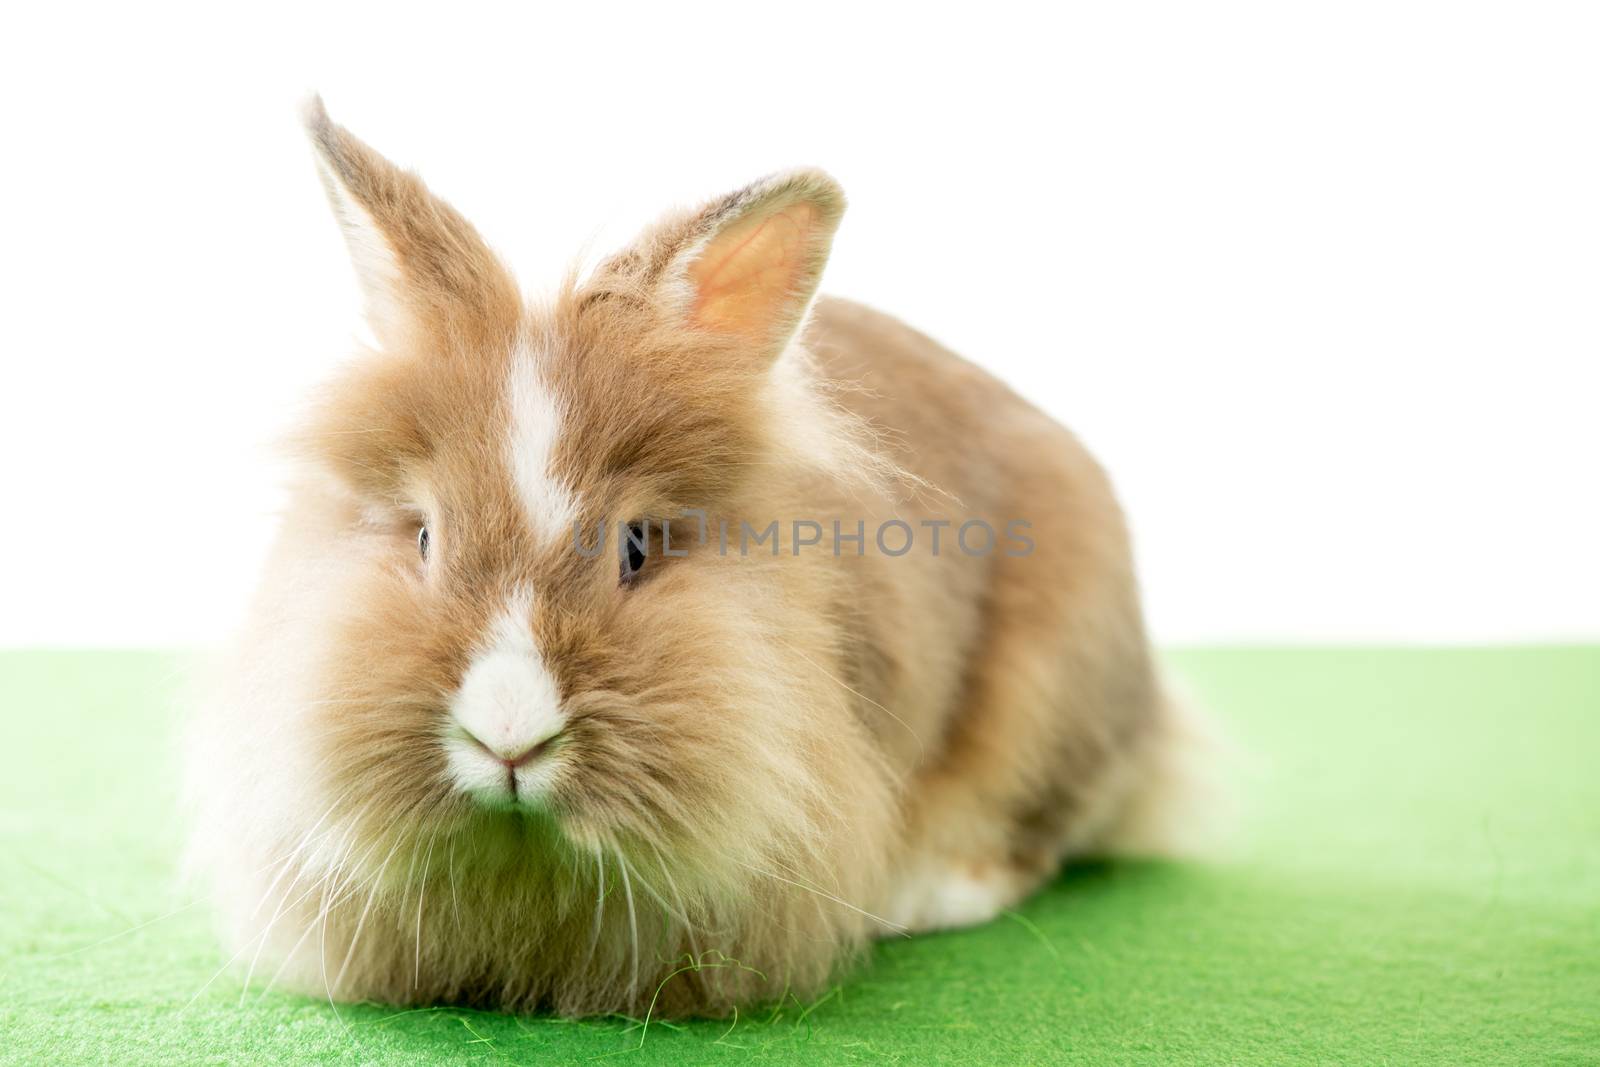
[763, 754]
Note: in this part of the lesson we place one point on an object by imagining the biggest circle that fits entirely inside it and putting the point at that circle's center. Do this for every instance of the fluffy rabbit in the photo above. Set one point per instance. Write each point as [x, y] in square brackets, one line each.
[466, 753]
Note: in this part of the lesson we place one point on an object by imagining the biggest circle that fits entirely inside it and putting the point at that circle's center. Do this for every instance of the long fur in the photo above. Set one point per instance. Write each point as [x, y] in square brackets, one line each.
[767, 759]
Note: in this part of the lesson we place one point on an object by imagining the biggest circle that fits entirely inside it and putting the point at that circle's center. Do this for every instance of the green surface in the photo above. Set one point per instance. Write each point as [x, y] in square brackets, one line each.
[1415, 879]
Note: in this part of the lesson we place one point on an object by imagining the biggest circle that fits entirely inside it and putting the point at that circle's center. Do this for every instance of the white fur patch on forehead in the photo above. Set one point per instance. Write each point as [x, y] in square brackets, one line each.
[535, 428]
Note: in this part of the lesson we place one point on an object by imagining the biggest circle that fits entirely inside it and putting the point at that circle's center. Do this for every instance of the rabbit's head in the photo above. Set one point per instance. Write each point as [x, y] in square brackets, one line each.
[491, 633]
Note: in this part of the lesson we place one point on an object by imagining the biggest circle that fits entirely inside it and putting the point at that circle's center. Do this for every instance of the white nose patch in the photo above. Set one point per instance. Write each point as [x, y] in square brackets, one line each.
[509, 704]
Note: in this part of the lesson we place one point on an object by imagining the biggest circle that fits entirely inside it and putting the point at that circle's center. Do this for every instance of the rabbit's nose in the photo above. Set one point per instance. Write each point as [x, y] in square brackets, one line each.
[512, 755]
[508, 705]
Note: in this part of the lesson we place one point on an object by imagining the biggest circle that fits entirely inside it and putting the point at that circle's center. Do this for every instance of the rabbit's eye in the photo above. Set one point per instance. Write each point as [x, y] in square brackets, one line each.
[422, 542]
[634, 544]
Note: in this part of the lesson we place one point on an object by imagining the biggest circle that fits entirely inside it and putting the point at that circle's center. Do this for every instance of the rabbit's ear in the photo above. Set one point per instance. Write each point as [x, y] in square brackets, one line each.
[747, 266]
[423, 268]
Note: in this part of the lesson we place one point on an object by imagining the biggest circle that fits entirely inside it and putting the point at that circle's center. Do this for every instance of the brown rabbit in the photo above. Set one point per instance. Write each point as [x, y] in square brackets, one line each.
[666, 640]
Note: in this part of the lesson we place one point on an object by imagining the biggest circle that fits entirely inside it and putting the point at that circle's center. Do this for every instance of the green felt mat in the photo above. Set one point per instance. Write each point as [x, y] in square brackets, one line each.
[1415, 878]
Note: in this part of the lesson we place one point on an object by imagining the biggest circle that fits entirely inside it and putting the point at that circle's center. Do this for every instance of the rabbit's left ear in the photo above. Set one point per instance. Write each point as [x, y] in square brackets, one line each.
[422, 267]
[747, 266]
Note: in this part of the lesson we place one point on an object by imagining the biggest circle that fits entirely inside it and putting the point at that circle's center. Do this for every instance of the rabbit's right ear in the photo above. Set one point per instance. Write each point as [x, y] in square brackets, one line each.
[424, 270]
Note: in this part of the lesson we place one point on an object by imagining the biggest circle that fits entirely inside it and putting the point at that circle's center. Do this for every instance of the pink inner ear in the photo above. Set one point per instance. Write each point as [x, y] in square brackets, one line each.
[745, 277]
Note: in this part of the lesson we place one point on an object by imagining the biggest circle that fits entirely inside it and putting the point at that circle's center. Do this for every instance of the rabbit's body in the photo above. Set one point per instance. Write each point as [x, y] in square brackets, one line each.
[1027, 675]
[460, 757]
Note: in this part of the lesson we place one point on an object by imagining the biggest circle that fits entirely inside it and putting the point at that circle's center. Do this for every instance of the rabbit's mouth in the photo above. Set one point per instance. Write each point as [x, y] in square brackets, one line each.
[503, 733]
[498, 780]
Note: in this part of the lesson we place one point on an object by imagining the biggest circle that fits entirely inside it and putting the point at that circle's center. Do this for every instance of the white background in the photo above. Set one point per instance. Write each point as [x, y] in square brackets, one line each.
[1320, 287]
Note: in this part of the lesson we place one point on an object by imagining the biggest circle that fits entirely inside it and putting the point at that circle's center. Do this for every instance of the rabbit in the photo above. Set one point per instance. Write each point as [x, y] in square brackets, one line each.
[641, 648]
